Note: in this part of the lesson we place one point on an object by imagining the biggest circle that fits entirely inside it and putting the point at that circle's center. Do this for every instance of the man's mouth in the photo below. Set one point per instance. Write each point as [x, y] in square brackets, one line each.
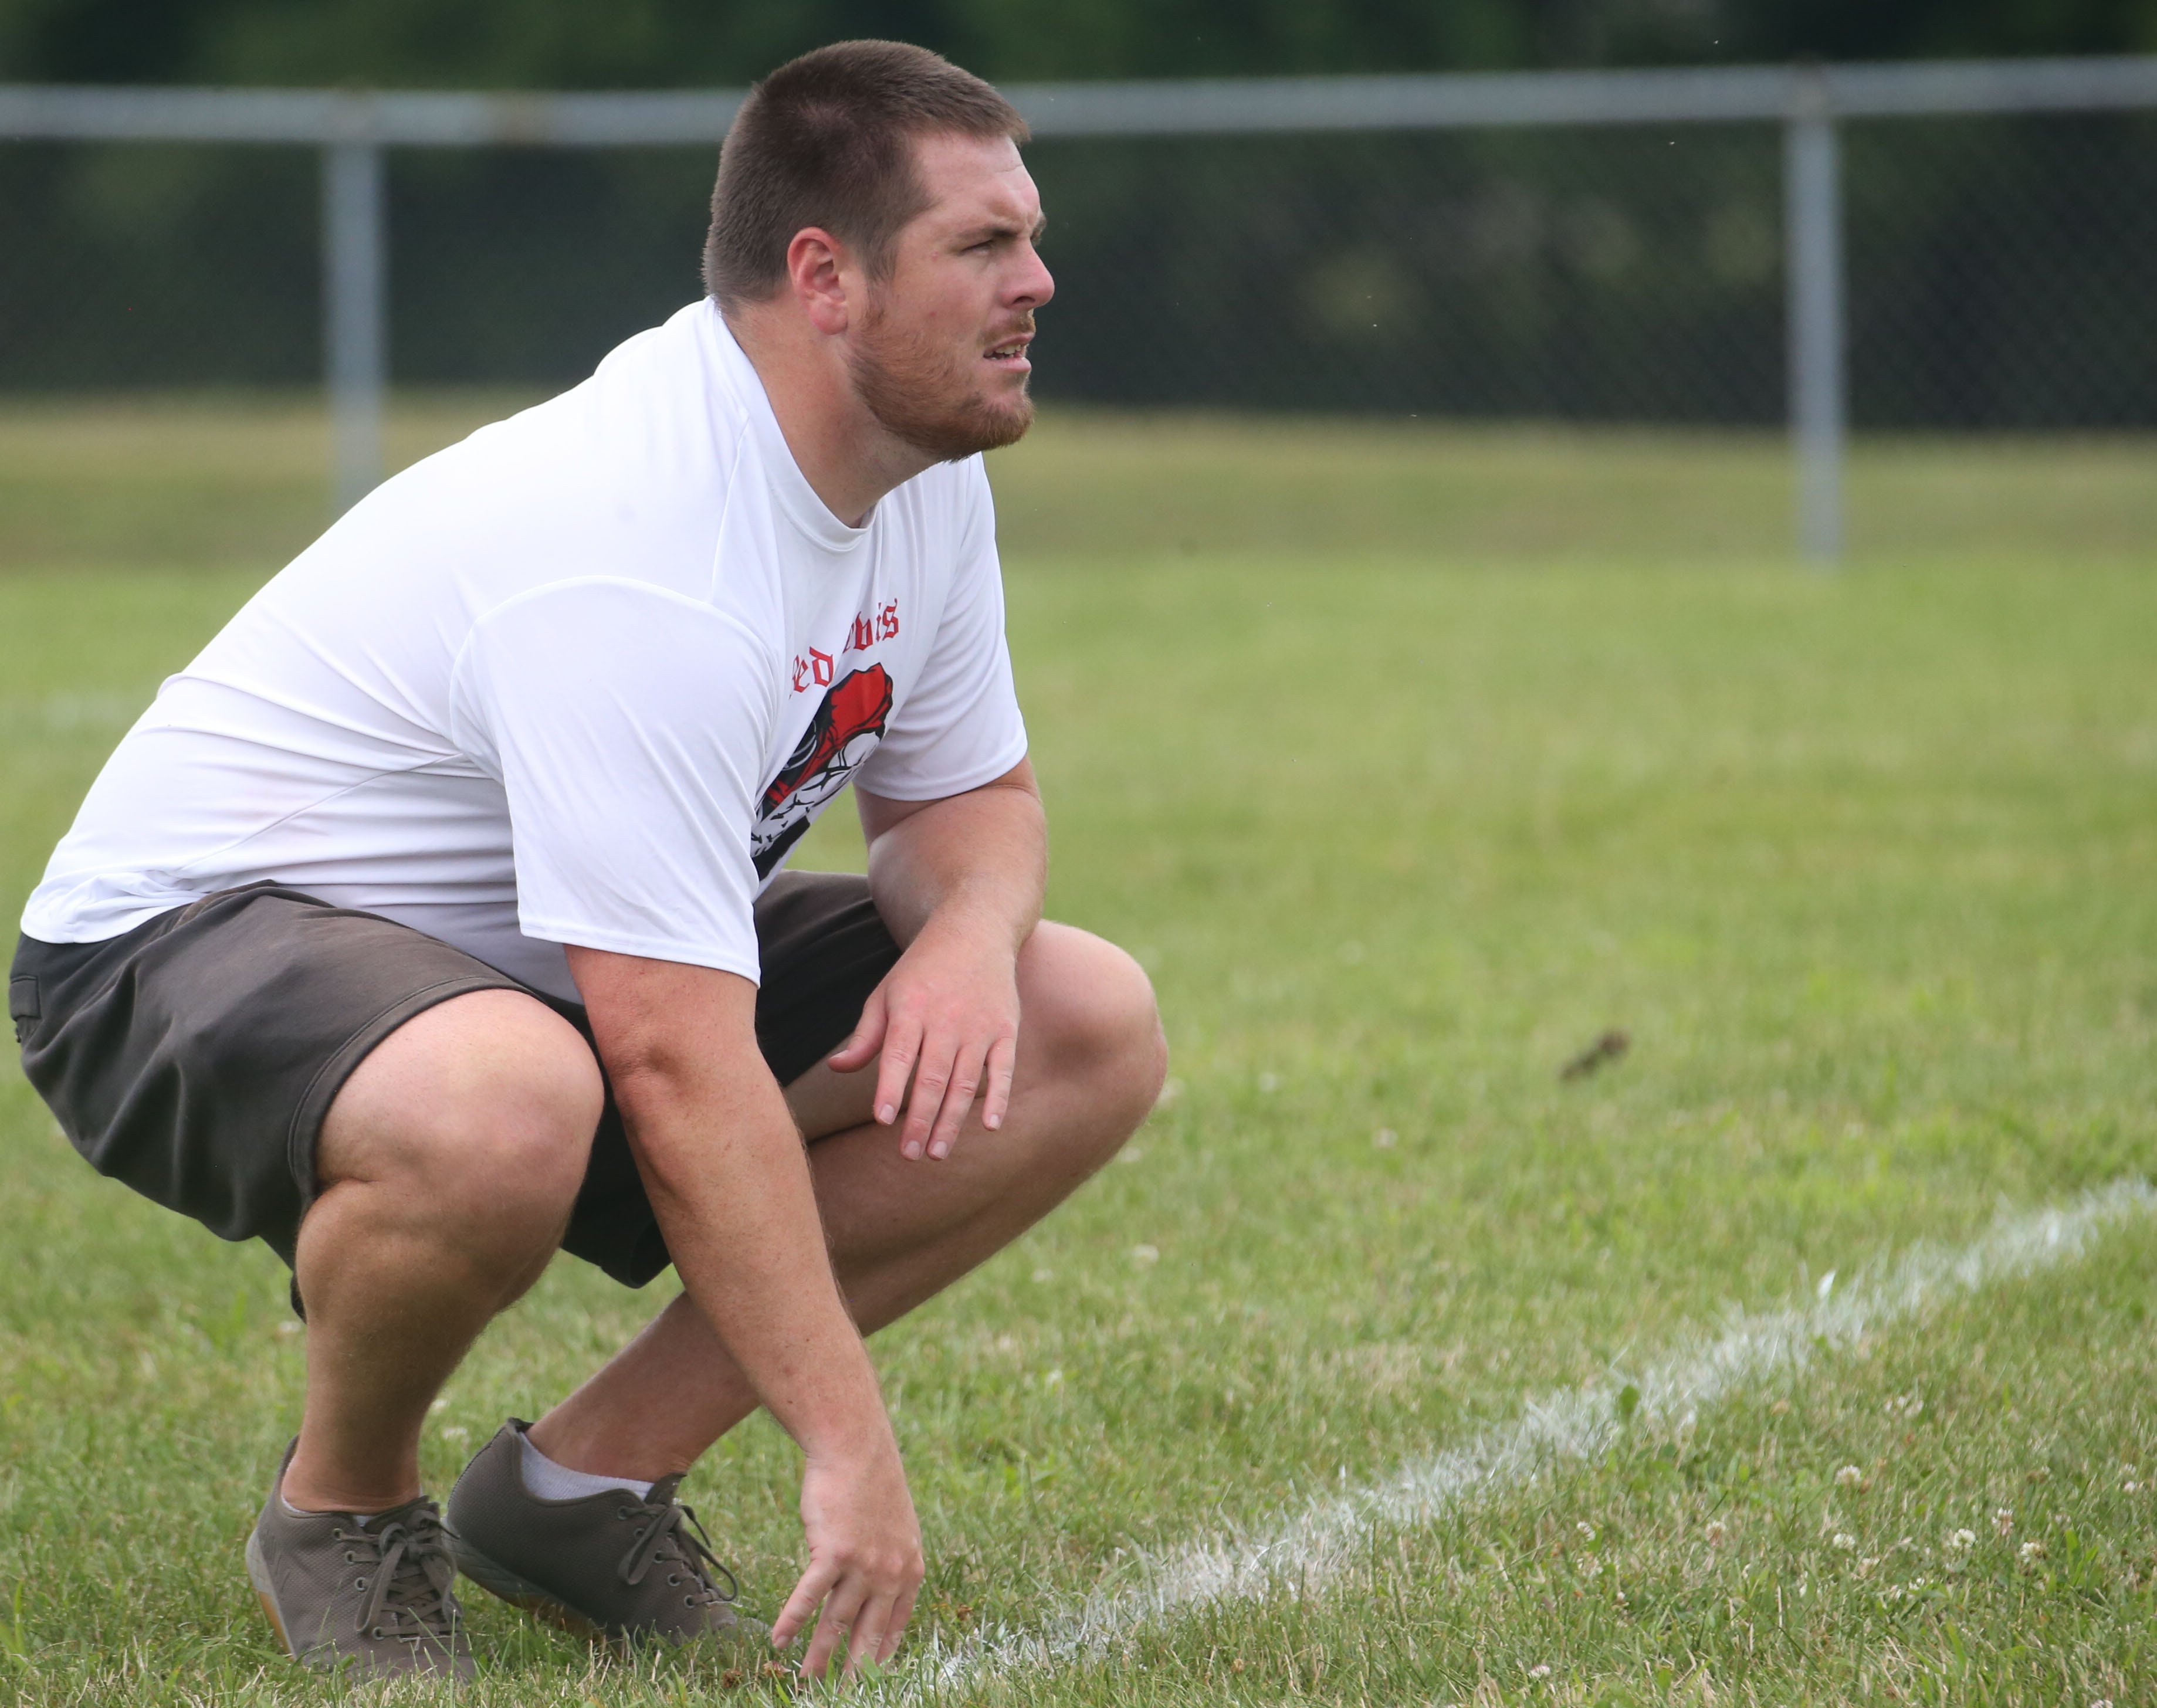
[1012, 353]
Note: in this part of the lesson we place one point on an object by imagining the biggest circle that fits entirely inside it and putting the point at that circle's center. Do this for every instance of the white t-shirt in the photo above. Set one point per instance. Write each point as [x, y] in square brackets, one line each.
[586, 677]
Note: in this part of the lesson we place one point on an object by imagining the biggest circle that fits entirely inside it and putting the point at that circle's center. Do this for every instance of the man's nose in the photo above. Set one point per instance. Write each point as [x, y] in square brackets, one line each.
[1033, 286]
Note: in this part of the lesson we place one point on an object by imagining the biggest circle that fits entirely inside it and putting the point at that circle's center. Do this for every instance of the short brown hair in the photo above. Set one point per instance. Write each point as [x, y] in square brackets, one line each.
[825, 140]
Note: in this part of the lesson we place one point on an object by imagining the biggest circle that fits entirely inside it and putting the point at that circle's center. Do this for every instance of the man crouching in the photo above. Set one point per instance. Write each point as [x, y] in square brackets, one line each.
[435, 917]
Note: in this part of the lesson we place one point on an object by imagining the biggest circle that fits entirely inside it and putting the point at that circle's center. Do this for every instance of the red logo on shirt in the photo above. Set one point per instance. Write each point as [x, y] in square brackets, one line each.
[881, 624]
[816, 669]
[843, 731]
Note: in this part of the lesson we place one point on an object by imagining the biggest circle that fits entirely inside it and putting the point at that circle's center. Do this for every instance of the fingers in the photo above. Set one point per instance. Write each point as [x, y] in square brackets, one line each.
[902, 1044]
[942, 1077]
[938, 1110]
[801, 1606]
[945, 1078]
[948, 1075]
[942, 1035]
[840, 1611]
[932, 1076]
[902, 1611]
[1003, 1062]
[861, 1048]
[869, 1626]
[866, 1640]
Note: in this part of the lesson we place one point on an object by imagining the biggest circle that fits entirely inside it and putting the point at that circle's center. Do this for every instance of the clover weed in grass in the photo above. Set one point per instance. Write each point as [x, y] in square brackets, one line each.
[1859, 864]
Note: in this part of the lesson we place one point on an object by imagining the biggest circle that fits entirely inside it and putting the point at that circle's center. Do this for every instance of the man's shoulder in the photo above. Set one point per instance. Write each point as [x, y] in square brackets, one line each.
[625, 474]
[660, 410]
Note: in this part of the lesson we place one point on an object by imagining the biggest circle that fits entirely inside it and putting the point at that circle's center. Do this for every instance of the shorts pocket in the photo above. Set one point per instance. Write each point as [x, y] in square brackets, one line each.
[23, 1006]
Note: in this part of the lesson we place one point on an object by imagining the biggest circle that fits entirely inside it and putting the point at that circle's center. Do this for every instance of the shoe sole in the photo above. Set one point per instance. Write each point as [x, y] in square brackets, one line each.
[258, 1574]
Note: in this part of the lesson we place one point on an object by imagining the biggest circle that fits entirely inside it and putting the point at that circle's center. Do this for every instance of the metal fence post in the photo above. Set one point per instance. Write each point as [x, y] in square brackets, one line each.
[354, 300]
[1812, 203]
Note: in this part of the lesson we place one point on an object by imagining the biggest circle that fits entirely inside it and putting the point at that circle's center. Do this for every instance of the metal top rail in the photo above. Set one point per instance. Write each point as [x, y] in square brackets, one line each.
[1229, 107]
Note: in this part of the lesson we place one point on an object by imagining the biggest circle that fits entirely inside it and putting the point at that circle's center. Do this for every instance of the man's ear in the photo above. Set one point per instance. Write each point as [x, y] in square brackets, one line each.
[816, 273]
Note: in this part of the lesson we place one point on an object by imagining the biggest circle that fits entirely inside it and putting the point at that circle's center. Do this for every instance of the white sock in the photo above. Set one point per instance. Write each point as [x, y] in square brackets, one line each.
[362, 1519]
[552, 1482]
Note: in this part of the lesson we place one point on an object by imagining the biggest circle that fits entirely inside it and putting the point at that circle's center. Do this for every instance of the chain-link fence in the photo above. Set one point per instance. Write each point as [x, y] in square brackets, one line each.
[144, 264]
[1996, 268]
[2002, 273]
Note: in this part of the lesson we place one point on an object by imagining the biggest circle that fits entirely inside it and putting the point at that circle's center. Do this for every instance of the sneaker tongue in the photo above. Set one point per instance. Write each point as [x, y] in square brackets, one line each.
[376, 1524]
[662, 1491]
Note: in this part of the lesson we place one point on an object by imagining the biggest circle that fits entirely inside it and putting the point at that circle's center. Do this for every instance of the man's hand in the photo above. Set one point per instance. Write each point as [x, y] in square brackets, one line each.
[865, 1562]
[946, 1018]
[959, 882]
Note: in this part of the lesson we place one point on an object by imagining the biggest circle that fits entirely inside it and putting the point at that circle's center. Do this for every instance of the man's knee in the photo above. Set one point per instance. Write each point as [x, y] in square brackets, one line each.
[479, 1111]
[1091, 1007]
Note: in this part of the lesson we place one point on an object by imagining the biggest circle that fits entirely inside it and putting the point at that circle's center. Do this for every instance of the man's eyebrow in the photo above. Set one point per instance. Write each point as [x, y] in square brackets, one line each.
[1005, 227]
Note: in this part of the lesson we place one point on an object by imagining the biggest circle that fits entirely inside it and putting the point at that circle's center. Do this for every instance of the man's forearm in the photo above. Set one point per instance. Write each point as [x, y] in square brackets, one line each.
[977, 861]
[723, 1166]
[731, 1189]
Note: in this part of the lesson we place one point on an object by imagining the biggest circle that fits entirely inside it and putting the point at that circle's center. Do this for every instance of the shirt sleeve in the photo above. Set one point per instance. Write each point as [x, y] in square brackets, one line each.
[627, 725]
[960, 726]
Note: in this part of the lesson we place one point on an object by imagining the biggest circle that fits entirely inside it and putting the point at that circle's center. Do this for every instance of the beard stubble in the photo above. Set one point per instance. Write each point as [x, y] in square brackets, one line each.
[922, 394]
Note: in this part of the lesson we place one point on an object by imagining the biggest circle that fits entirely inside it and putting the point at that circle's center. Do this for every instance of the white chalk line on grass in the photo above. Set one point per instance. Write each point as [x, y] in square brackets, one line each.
[1314, 1546]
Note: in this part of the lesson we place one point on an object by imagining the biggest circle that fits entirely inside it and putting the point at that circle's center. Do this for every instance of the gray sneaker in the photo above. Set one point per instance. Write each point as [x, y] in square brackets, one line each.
[374, 1597]
[607, 1565]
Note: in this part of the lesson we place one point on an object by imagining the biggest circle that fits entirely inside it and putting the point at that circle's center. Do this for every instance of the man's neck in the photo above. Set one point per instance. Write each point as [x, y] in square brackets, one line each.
[843, 451]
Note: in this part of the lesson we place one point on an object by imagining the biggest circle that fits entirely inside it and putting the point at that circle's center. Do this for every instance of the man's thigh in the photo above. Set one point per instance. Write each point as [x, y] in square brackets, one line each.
[823, 1102]
[195, 1057]
[465, 1102]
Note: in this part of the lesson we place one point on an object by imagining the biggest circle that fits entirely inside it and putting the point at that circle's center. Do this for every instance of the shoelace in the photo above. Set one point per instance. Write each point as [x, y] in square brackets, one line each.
[411, 1576]
[662, 1538]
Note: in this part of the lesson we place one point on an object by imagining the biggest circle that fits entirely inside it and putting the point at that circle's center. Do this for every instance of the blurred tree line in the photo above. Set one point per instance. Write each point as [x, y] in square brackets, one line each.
[1999, 268]
[632, 43]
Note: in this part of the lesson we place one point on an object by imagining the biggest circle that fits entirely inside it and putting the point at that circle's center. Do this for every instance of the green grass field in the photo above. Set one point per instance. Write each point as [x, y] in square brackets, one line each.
[1408, 762]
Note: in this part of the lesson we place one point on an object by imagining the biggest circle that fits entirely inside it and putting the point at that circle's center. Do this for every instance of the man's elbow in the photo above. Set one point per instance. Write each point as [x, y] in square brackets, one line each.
[677, 1041]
